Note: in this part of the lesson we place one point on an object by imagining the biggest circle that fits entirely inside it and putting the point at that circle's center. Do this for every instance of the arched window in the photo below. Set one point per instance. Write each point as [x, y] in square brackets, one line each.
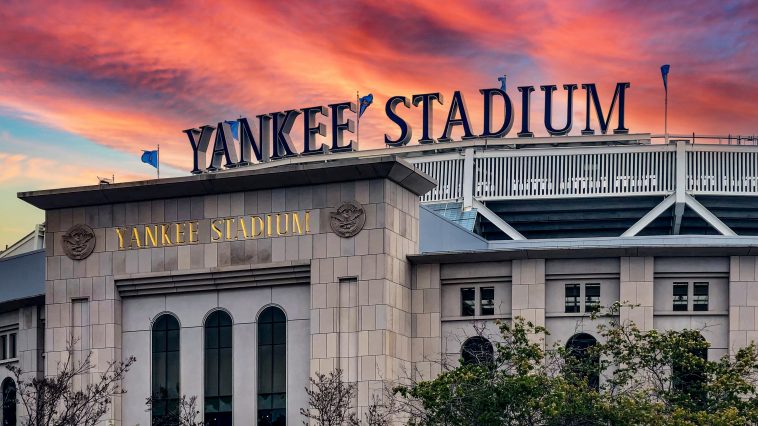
[218, 369]
[688, 365]
[582, 361]
[165, 388]
[272, 367]
[9, 402]
[477, 350]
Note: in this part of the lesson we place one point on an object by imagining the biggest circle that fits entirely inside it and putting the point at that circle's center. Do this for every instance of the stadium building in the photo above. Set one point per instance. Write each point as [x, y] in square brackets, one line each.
[236, 286]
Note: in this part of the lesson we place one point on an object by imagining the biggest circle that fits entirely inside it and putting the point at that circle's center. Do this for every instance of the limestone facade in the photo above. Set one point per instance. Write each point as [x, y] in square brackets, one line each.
[371, 304]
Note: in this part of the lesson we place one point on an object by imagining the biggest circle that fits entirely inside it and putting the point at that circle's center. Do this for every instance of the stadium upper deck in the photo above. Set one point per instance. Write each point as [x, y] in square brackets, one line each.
[598, 186]
[589, 186]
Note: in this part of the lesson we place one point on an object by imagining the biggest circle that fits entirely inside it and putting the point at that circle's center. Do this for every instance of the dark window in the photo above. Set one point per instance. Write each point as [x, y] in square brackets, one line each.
[581, 361]
[700, 297]
[9, 402]
[687, 368]
[4, 344]
[477, 350]
[12, 343]
[488, 300]
[572, 297]
[42, 338]
[591, 297]
[272, 367]
[165, 387]
[680, 296]
[218, 369]
[468, 302]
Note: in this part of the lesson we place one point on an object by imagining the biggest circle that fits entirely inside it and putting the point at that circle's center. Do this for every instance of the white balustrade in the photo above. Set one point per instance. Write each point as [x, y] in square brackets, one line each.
[575, 172]
[722, 170]
[565, 173]
[447, 169]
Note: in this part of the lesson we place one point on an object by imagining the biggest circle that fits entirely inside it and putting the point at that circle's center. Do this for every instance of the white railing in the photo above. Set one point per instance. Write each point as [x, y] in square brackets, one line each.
[722, 170]
[447, 169]
[574, 173]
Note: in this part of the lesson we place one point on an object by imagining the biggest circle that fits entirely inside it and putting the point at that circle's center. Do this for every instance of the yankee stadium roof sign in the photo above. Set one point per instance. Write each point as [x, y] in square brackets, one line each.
[267, 137]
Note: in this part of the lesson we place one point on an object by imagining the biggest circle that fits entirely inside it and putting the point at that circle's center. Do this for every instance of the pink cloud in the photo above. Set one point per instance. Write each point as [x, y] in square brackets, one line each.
[130, 77]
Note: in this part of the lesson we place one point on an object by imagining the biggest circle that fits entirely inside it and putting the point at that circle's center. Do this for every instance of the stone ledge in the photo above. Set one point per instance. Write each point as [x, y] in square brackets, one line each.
[476, 279]
[211, 279]
[238, 180]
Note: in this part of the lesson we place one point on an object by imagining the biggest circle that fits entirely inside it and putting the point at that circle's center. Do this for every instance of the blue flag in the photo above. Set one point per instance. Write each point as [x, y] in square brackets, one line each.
[150, 157]
[235, 125]
[665, 75]
[365, 102]
[502, 82]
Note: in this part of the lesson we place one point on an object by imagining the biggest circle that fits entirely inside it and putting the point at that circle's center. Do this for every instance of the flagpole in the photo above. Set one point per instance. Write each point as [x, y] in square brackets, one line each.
[159, 161]
[358, 120]
[666, 116]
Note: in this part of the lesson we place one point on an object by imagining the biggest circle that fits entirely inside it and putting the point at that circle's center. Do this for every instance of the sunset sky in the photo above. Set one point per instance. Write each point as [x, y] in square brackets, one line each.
[84, 86]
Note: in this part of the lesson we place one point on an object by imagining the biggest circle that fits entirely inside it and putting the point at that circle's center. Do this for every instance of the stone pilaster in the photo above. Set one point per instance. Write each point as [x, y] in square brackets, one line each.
[528, 290]
[89, 281]
[426, 342]
[361, 289]
[636, 288]
[29, 344]
[743, 302]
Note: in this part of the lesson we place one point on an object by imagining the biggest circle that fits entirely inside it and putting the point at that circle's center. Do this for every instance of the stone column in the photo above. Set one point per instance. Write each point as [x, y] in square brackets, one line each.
[426, 343]
[636, 288]
[361, 288]
[28, 344]
[743, 302]
[528, 293]
[89, 282]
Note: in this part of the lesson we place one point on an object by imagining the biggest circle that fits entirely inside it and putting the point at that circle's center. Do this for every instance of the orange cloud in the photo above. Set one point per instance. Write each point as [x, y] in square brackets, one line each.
[133, 75]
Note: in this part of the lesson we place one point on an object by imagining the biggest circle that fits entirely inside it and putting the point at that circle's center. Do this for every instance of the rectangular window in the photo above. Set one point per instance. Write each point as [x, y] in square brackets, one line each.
[700, 297]
[680, 296]
[12, 349]
[591, 297]
[468, 302]
[572, 297]
[487, 295]
[4, 344]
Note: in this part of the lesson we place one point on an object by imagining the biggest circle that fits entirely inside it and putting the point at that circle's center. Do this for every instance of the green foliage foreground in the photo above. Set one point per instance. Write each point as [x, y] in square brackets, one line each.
[646, 378]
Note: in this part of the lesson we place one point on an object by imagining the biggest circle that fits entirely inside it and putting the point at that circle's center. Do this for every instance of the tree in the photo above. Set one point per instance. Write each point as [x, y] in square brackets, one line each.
[330, 403]
[185, 414]
[58, 401]
[330, 400]
[645, 377]
[670, 371]
[379, 412]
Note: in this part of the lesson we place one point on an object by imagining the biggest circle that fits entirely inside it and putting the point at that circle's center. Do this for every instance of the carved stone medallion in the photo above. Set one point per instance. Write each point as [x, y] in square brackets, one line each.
[78, 242]
[348, 220]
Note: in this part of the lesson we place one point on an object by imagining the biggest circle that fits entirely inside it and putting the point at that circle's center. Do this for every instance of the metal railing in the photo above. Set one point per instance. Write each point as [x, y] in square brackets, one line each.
[709, 139]
[719, 170]
[447, 169]
[576, 171]
[587, 172]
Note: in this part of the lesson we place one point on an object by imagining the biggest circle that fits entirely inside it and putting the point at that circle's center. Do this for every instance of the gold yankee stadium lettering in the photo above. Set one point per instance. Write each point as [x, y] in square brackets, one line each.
[269, 225]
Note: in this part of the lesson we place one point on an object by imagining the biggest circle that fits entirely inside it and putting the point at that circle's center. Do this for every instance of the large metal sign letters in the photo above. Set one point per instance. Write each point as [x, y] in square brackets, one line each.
[267, 137]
